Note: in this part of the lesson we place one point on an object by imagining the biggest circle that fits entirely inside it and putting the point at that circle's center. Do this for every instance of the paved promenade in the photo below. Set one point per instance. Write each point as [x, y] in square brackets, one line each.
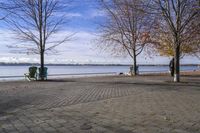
[111, 104]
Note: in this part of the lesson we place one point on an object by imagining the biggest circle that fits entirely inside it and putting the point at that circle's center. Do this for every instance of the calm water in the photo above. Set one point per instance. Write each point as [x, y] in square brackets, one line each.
[20, 70]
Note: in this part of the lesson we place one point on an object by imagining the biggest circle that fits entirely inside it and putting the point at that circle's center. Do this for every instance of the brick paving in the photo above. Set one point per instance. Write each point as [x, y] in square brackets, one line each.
[112, 104]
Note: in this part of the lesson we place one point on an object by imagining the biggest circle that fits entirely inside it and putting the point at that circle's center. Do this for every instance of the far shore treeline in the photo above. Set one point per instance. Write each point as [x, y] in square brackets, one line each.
[77, 64]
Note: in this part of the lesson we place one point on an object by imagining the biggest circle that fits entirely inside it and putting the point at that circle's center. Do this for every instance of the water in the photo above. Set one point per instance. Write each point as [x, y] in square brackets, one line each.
[74, 70]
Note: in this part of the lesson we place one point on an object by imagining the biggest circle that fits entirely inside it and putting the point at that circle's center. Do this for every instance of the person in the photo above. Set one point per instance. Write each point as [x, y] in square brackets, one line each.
[137, 70]
[171, 67]
[131, 70]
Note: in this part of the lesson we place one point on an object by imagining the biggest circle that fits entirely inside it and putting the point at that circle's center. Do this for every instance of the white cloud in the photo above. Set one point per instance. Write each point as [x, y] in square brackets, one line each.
[81, 49]
[73, 15]
[97, 13]
[68, 14]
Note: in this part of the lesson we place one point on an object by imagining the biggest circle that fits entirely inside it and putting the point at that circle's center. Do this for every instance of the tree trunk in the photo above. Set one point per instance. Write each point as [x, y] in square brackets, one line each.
[177, 44]
[177, 64]
[42, 65]
[135, 65]
[41, 41]
[134, 72]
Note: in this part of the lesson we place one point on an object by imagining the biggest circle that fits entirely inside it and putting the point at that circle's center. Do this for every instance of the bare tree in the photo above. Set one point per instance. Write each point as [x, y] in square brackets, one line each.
[126, 28]
[180, 19]
[35, 23]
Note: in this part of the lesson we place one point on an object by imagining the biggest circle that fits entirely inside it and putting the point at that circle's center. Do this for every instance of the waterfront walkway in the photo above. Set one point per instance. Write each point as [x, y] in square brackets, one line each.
[110, 104]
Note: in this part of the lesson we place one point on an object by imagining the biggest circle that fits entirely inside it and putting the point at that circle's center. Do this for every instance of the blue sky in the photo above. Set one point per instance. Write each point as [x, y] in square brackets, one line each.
[84, 16]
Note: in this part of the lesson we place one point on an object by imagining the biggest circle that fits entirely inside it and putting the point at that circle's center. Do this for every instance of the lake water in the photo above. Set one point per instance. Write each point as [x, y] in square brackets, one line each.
[19, 71]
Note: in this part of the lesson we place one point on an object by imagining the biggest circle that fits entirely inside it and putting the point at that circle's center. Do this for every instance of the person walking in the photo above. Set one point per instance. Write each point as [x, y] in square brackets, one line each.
[171, 67]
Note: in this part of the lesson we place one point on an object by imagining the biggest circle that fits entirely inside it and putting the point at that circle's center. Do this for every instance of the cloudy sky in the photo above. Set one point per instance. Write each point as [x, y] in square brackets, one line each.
[84, 17]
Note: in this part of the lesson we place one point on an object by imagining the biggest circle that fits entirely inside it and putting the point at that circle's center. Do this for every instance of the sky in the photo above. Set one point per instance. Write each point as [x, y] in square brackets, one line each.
[83, 19]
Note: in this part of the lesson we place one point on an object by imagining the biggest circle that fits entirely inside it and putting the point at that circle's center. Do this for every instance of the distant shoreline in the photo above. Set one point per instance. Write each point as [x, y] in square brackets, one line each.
[36, 64]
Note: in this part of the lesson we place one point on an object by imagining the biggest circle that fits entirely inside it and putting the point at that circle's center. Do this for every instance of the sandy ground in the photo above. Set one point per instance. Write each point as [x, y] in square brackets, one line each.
[109, 104]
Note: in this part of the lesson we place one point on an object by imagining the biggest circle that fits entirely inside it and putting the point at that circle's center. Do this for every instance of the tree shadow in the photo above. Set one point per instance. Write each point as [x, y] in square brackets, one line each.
[57, 80]
[165, 85]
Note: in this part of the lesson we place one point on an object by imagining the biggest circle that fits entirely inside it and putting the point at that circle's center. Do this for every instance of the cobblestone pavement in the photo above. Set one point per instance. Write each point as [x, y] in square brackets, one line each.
[118, 104]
